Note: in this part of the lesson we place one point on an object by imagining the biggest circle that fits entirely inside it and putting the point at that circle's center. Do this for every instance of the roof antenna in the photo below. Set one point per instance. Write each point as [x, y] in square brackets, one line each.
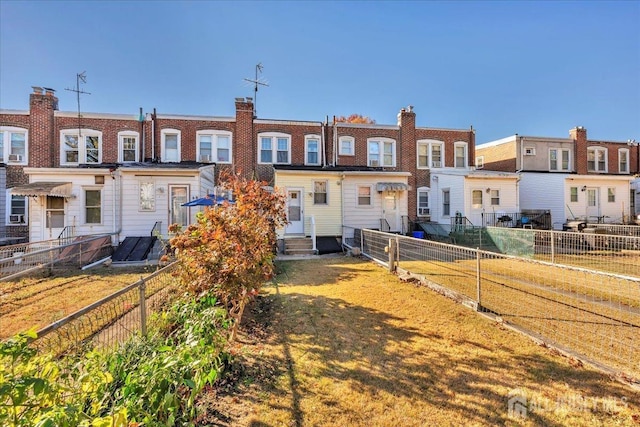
[80, 77]
[256, 82]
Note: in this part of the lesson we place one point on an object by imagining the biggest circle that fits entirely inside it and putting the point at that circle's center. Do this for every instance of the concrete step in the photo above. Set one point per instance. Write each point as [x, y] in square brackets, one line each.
[299, 252]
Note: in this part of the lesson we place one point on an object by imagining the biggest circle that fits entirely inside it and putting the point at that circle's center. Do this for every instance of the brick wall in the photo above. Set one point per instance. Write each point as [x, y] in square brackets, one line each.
[579, 136]
[499, 157]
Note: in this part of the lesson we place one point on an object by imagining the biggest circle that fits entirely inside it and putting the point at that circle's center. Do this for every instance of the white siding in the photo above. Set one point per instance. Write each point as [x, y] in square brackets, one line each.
[612, 212]
[508, 194]
[455, 185]
[544, 191]
[327, 217]
[369, 216]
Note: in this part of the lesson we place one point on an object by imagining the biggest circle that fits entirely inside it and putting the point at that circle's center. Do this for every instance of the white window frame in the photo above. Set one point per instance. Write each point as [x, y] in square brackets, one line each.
[352, 145]
[215, 135]
[146, 193]
[82, 148]
[494, 194]
[307, 140]
[559, 152]
[447, 200]
[423, 211]
[84, 204]
[9, 209]
[573, 191]
[163, 141]
[480, 162]
[363, 206]
[529, 151]
[326, 192]
[121, 137]
[595, 151]
[611, 195]
[5, 145]
[274, 137]
[624, 169]
[381, 143]
[465, 146]
[430, 144]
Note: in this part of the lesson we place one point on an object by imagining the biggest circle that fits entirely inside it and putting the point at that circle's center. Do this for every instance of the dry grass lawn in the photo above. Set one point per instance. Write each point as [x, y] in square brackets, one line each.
[342, 342]
[38, 301]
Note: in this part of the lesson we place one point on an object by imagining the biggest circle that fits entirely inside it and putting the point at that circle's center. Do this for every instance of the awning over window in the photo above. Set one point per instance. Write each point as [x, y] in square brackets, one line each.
[54, 189]
[391, 186]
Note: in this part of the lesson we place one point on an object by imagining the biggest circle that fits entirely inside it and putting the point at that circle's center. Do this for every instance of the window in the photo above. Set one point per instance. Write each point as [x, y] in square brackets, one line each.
[92, 206]
[623, 160]
[429, 154]
[381, 152]
[423, 201]
[13, 145]
[479, 162]
[16, 209]
[312, 149]
[55, 212]
[529, 151]
[213, 146]
[364, 196]
[147, 197]
[495, 197]
[611, 195]
[128, 147]
[476, 199]
[460, 155]
[573, 194]
[347, 146]
[170, 139]
[274, 148]
[320, 193]
[80, 147]
[559, 159]
[446, 202]
[596, 159]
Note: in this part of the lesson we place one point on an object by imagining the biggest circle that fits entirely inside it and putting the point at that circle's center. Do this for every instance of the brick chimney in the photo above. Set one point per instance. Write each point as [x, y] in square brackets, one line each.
[579, 136]
[406, 149]
[245, 147]
[42, 141]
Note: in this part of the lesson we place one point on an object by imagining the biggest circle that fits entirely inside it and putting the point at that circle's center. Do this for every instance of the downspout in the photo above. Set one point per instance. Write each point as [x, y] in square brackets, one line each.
[153, 135]
[521, 151]
[322, 145]
[142, 120]
[335, 142]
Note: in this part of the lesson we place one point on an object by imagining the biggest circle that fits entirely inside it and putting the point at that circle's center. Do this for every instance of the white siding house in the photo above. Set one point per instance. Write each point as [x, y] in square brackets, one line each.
[472, 193]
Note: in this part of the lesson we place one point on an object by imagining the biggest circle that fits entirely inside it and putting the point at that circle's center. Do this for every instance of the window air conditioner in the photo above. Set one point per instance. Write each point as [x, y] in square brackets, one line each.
[205, 158]
[435, 164]
[16, 219]
[15, 157]
[423, 211]
[374, 163]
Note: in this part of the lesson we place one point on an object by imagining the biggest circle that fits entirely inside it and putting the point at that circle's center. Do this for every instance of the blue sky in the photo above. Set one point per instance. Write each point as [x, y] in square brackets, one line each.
[533, 68]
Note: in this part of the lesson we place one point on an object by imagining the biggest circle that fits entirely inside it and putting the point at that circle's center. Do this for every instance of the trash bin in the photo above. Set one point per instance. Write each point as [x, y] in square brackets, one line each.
[418, 234]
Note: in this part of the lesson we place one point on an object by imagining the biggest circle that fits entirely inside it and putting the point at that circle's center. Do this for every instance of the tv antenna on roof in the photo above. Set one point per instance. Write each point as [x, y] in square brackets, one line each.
[256, 82]
[80, 77]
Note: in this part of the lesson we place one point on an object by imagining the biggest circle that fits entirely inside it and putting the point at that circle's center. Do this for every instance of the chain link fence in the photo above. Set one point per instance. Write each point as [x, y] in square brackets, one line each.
[591, 313]
[113, 319]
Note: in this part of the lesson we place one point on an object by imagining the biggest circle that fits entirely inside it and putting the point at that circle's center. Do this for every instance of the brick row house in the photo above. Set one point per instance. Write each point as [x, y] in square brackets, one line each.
[127, 174]
[574, 178]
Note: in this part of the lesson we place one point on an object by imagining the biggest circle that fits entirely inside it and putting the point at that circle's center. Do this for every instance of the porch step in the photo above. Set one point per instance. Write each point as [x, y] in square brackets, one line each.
[298, 246]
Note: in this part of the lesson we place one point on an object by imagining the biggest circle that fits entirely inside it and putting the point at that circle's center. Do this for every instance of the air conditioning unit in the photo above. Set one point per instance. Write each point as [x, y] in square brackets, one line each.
[16, 219]
[374, 163]
[424, 211]
[435, 164]
[205, 158]
[15, 158]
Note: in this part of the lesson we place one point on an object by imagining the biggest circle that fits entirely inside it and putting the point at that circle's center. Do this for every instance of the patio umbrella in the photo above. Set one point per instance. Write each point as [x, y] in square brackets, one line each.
[209, 200]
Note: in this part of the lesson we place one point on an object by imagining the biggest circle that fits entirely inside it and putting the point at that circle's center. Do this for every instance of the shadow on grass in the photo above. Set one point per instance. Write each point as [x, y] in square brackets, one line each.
[362, 347]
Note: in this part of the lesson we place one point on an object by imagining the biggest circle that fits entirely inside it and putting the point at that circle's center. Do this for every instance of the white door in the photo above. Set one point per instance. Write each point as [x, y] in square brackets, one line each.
[390, 210]
[593, 204]
[295, 212]
[178, 214]
[54, 217]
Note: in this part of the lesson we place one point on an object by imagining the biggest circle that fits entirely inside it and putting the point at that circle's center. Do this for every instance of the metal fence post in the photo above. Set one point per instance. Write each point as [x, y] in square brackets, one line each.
[143, 308]
[478, 293]
[392, 250]
[361, 241]
[553, 246]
